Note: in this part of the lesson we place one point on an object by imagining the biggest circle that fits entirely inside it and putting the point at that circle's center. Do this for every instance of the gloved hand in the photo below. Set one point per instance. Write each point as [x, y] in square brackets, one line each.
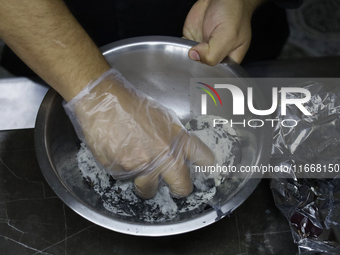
[222, 27]
[134, 137]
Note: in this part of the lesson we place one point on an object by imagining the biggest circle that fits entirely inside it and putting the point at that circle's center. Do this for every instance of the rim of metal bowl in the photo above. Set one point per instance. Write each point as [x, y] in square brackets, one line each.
[138, 229]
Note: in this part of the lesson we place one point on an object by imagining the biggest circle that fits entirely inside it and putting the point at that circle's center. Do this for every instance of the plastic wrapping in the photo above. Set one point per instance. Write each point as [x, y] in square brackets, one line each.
[309, 201]
[134, 137]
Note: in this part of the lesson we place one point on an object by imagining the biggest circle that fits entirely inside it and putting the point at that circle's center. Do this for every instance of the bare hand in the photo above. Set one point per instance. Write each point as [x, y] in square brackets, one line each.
[222, 27]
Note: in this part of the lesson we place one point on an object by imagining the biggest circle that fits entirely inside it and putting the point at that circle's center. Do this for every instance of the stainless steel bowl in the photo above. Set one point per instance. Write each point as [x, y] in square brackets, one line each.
[160, 67]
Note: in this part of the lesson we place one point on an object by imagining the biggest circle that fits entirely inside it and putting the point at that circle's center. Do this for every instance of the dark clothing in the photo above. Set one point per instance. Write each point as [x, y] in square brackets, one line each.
[107, 21]
[288, 4]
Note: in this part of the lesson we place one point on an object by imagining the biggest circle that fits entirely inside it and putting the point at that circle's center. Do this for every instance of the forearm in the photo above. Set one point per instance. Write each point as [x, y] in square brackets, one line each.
[45, 35]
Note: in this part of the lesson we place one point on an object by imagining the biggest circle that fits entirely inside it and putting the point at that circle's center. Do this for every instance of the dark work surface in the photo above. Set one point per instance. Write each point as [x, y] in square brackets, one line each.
[33, 220]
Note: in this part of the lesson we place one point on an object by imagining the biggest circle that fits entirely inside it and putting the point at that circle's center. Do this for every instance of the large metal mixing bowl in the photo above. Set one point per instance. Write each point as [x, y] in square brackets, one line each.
[160, 67]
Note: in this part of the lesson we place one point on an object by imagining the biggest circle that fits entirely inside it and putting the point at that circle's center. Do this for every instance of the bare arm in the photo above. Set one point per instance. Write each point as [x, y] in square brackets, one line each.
[45, 35]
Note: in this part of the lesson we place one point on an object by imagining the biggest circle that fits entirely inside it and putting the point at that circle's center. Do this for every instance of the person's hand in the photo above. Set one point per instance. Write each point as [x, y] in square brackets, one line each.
[222, 28]
[134, 137]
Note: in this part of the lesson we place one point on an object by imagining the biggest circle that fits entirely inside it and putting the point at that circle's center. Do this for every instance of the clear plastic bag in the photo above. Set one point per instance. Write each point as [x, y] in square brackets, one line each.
[310, 201]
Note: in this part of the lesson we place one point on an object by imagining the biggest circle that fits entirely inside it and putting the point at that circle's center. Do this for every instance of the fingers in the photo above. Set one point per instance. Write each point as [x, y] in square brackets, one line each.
[216, 48]
[178, 179]
[199, 153]
[171, 167]
[178, 175]
[174, 173]
[221, 44]
[146, 185]
[238, 54]
[194, 19]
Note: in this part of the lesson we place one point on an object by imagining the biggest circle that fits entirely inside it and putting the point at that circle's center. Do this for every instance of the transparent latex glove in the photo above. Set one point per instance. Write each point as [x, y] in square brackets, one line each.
[134, 137]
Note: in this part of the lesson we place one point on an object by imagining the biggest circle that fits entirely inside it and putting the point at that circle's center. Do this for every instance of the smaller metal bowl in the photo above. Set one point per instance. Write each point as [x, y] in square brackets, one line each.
[160, 67]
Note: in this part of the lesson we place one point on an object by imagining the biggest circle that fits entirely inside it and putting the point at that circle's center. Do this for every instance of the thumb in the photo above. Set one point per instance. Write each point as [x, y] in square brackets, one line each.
[220, 45]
